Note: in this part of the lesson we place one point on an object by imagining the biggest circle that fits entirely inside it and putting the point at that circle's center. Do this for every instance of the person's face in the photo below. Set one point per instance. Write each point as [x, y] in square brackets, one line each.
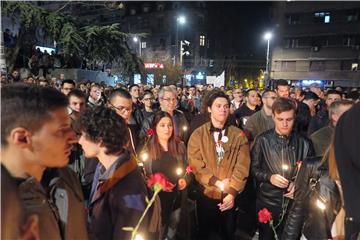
[52, 144]
[332, 98]
[168, 102]
[284, 122]
[184, 91]
[77, 104]
[62, 76]
[30, 80]
[269, 99]
[219, 110]
[252, 98]
[95, 93]
[67, 87]
[165, 129]
[316, 90]
[3, 78]
[179, 91]
[238, 96]
[135, 92]
[15, 74]
[147, 100]
[340, 111]
[122, 106]
[83, 88]
[43, 83]
[192, 91]
[283, 91]
[91, 149]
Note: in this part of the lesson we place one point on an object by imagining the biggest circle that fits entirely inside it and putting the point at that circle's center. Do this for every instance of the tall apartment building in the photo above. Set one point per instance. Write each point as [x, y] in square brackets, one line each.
[316, 40]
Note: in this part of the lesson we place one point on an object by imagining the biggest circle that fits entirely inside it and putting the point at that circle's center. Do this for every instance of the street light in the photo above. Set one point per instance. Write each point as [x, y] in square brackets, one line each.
[267, 37]
[179, 20]
[135, 40]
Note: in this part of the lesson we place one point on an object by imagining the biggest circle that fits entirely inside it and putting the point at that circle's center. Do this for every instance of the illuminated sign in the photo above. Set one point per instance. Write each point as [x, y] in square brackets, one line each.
[154, 65]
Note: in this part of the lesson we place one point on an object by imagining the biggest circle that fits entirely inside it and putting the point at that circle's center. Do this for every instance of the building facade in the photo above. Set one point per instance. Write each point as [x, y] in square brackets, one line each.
[316, 41]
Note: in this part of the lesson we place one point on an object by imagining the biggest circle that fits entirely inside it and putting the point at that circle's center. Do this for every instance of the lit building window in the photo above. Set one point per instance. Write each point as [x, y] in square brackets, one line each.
[202, 40]
[322, 17]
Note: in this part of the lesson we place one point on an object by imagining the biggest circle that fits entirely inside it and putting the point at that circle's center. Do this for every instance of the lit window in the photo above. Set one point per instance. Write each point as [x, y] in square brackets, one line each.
[322, 17]
[327, 19]
[354, 66]
[143, 44]
[202, 40]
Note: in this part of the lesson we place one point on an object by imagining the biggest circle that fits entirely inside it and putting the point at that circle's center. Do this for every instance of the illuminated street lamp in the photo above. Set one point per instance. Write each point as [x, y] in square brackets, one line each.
[180, 20]
[267, 37]
[135, 40]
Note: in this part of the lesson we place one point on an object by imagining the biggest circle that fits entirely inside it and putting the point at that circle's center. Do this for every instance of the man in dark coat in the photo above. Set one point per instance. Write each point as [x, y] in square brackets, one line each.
[118, 195]
[347, 152]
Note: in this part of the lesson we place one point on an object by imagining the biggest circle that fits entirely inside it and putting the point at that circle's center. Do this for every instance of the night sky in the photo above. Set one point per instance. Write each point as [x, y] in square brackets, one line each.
[238, 27]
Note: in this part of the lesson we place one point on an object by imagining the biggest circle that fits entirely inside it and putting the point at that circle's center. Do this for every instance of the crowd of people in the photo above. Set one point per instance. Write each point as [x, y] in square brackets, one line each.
[280, 164]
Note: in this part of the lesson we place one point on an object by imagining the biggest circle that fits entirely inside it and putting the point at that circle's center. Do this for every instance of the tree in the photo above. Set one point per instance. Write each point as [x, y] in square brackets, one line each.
[95, 43]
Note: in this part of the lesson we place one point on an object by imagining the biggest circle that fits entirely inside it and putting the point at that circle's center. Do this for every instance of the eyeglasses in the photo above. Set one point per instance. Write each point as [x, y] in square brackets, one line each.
[169, 99]
[121, 108]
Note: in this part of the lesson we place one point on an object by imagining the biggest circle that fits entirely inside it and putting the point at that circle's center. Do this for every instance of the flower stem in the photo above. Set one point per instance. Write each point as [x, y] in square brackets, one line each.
[152, 200]
[274, 231]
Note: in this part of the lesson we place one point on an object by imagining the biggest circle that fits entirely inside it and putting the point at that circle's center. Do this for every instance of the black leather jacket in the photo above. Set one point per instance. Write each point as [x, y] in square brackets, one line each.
[181, 125]
[313, 183]
[268, 156]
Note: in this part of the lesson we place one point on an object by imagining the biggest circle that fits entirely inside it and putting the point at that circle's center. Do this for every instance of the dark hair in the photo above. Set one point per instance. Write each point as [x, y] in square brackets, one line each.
[283, 105]
[146, 92]
[281, 82]
[69, 81]
[105, 125]
[249, 90]
[217, 94]
[76, 93]
[174, 146]
[353, 95]
[119, 92]
[133, 85]
[332, 91]
[311, 95]
[28, 106]
[266, 93]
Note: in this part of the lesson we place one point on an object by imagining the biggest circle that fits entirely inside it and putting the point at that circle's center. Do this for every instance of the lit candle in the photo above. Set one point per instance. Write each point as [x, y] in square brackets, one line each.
[144, 157]
[321, 205]
[185, 128]
[138, 237]
[285, 167]
[222, 187]
[179, 171]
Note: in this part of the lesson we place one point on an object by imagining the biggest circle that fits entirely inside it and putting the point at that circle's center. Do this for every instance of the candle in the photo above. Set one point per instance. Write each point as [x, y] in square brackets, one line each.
[184, 128]
[138, 237]
[285, 167]
[144, 156]
[222, 187]
[321, 205]
[179, 171]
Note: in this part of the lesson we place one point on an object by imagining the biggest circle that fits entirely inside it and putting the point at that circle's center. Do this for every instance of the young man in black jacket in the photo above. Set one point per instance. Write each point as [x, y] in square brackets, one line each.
[274, 159]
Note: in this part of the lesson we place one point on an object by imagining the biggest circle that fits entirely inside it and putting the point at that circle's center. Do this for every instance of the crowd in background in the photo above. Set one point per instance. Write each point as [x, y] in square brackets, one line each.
[249, 149]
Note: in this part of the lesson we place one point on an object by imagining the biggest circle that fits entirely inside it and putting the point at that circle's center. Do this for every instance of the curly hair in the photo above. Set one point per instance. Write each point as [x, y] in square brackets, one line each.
[105, 125]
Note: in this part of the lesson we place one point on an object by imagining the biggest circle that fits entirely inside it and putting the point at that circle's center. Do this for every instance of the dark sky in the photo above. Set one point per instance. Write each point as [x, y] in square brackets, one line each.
[237, 27]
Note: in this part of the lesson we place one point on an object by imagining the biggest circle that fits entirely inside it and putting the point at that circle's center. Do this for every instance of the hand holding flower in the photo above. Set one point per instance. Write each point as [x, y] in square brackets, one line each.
[290, 191]
[227, 204]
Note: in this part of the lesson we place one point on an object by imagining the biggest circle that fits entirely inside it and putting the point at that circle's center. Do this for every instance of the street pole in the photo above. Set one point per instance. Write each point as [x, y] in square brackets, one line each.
[181, 54]
[267, 63]
[176, 41]
[139, 47]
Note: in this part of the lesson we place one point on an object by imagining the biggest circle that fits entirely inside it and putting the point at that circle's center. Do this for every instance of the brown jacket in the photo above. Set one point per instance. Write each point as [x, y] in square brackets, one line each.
[203, 159]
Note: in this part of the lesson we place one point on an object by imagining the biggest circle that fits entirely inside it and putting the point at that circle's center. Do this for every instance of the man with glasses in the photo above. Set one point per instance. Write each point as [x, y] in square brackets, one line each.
[67, 85]
[237, 101]
[168, 101]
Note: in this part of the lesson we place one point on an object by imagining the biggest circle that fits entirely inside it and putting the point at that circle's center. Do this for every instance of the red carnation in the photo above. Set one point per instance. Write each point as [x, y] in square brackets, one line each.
[299, 162]
[159, 181]
[189, 169]
[149, 132]
[264, 215]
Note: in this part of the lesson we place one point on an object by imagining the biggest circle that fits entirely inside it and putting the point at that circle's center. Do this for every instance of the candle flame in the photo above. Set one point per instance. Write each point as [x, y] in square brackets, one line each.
[185, 128]
[320, 204]
[138, 237]
[179, 171]
[144, 157]
[221, 187]
[285, 167]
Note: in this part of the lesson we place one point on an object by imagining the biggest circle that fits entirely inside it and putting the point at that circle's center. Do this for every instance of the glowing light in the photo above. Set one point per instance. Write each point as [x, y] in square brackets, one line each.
[138, 237]
[181, 20]
[144, 157]
[222, 187]
[179, 171]
[268, 36]
[185, 128]
[285, 167]
[135, 39]
[320, 204]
